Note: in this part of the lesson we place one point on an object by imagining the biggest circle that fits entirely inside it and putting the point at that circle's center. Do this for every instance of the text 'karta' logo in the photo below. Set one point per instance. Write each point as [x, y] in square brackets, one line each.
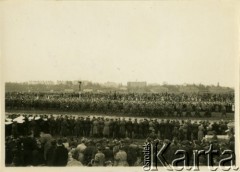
[154, 156]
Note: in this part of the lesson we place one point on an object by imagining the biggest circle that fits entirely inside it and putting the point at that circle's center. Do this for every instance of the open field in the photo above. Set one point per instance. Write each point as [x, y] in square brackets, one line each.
[215, 115]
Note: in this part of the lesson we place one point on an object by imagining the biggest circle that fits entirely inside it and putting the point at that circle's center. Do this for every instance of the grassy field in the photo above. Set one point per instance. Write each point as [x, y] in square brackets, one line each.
[215, 115]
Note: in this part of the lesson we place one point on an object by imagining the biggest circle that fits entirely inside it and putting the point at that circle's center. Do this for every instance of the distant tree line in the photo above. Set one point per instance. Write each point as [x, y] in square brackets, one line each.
[96, 87]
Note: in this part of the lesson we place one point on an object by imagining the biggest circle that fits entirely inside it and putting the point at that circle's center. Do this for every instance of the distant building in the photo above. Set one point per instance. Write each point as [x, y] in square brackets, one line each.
[137, 84]
[139, 87]
[188, 89]
[111, 84]
[154, 84]
[219, 90]
[41, 82]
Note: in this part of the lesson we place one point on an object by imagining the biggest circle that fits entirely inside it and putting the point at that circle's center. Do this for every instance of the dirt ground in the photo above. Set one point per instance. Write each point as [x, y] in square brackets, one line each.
[216, 116]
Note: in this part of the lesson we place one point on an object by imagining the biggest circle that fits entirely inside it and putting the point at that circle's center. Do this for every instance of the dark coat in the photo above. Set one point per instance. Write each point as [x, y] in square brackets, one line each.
[29, 145]
[89, 154]
[60, 156]
[50, 156]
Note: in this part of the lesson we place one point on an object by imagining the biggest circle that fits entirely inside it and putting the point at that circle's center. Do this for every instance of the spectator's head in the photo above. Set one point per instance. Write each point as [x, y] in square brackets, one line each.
[83, 140]
[53, 143]
[30, 133]
[75, 154]
[197, 142]
[42, 133]
[59, 142]
[65, 140]
[99, 148]
[73, 144]
[89, 143]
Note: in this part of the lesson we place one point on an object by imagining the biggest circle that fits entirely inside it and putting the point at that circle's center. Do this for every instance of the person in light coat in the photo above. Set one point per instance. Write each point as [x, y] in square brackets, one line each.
[81, 148]
[120, 158]
[73, 159]
[200, 132]
[106, 128]
[99, 158]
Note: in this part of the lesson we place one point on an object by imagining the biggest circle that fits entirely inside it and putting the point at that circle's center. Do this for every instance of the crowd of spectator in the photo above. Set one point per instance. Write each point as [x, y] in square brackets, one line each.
[139, 104]
[58, 140]
[105, 140]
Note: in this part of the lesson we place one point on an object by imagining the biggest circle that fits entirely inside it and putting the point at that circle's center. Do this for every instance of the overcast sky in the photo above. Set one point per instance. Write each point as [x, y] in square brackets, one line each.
[169, 41]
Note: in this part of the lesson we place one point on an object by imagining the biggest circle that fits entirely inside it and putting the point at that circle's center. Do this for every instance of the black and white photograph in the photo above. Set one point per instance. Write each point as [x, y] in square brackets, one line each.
[143, 84]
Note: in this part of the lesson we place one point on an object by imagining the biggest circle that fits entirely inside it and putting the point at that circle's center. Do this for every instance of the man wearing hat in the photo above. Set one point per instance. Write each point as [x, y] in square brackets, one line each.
[71, 124]
[135, 129]
[111, 127]
[35, 123]
[172, 149]
[50, 153]
[163, 128]
[132, 153]
[83, 127]
[129, 128]
[89, 151]
[29, 145]
[64, 128]
[73, 161]
[88, 125]
[145, 128]
[194, 131]
[95, 127]
[116, 128]
[186, 145]
[141, 129]
[108, 154]
[99, 157]
[8, 128]
[60, 155]
[100, 127]
[106, 128]
[122, 130]
[120, 158]
[45, 139]
[81, 148]
[52, 125]
[15, 129]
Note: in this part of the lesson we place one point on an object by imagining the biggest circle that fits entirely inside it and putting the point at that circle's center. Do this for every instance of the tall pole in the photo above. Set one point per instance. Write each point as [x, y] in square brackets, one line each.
[79, 88]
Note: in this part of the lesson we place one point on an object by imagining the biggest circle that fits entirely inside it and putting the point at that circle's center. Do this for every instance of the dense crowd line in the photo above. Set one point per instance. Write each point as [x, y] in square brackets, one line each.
[66, 140]
[139, 104]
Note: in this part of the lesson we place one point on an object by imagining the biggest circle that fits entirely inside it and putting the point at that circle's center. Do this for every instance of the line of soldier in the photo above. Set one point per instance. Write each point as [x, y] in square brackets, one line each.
[108, 105]
[206, 97]
[98, 127]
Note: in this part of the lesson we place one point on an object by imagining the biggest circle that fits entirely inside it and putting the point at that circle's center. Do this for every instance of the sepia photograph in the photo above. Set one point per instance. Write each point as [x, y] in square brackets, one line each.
[143, 84]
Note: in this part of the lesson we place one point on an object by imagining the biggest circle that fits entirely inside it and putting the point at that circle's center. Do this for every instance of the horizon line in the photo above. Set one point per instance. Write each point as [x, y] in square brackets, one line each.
[104, 82]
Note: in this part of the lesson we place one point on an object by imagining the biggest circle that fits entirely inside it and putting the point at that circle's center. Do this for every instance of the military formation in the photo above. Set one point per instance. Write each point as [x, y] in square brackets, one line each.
[137, 104]
[74, 139]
